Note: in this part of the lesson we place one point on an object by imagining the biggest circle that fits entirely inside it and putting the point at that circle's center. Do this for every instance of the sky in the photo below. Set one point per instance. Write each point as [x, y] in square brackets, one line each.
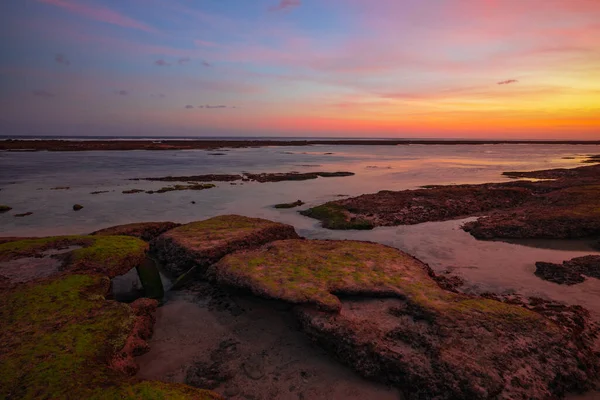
[489, 69]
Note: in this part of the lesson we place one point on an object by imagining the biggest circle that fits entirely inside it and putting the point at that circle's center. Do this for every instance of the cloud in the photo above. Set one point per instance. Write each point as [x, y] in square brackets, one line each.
[286, 4]
[98, 13]
[159, 95]
[162, 63]
[62, 59]
[183, 60]
[121, 92]
[508, 82]
[206, 64]
[216, 106]
[189, 107]
[43, 93]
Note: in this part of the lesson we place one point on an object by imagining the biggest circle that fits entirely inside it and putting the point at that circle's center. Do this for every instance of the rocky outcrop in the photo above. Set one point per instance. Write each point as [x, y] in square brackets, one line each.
[569, 272]
[142, 230]
[200, 244]
[567, 207]
[61, 337]
[381, 312]
[259, 177]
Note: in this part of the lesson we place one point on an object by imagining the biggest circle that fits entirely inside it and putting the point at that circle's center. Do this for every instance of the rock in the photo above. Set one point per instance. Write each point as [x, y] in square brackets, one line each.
[400, 327]
[132, 191]
[564, 208]
[77, 207]
[296, 203]
[142, 230]
[200, 244]
[254, 367]
[173, 188]
[316, 271]
[569, 272]
[4, 209]
[478, 353]
[23, 214]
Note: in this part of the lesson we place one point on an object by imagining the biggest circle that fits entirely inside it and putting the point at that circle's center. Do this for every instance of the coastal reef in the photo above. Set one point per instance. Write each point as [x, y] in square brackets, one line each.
[248, 177]
[570, 272]
[380, 311]
[200, 244]
[567, 205]
[62, 338]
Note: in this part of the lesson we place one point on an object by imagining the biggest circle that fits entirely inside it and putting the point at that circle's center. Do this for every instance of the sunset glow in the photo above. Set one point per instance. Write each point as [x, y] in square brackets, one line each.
[508, 69]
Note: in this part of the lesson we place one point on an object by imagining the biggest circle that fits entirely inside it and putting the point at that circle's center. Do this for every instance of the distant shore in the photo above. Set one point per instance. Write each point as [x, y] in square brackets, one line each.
[212, 144]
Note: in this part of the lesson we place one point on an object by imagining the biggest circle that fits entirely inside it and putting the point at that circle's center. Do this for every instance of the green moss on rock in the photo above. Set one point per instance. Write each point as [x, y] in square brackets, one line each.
[4, 208]
[333, 216]
[315, 271]
[205, 242]
[105, 255]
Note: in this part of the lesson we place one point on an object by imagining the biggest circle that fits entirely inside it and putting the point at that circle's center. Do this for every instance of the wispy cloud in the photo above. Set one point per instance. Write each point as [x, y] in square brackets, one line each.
[98, 13]
[206, 64]
[508, 82]
[162, 63]
[43, 93]
[286, 4]
[216, 106]
[62, 59]
[189, 107]
[121, 92]
[183, 60]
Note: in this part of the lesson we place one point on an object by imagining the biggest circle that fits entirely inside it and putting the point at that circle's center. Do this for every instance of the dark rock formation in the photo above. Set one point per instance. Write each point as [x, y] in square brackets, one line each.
[77, 207]
[569, 272]
[296, 203]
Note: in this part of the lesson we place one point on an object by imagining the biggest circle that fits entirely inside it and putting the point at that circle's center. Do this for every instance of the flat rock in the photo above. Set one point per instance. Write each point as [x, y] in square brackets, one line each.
[143, 230]
[200, 244]
[565, 207]
[429, 342]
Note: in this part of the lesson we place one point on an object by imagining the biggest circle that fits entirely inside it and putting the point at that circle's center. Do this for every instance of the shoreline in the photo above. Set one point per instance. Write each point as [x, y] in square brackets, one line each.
[212, 144]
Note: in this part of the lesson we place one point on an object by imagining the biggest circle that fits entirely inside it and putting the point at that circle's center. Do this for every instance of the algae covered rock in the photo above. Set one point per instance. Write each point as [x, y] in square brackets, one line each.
[429, 342]
[315, 271]
[61, 337]
[105, 255]
[142, 230]
[4, 208]
[205, 242]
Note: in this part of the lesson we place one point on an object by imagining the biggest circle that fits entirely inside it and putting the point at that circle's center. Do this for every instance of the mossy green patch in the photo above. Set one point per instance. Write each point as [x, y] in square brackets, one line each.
[223, 228]
[58, 337]
[108, 255]
[334, 216]
[4, 208]
[55, 336]
[315, 271]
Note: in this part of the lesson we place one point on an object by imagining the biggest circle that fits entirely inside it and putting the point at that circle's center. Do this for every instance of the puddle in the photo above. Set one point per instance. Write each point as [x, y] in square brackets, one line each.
[30, 268]
[244, 347]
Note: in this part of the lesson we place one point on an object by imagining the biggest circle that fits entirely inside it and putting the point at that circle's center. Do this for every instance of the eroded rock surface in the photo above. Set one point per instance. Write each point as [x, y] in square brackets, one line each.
[200, 244]
[430, 342]
[569, 272]
[566, 207]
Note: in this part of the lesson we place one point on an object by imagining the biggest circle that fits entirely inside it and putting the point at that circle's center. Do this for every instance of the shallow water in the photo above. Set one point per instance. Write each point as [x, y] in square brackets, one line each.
[27, 179]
